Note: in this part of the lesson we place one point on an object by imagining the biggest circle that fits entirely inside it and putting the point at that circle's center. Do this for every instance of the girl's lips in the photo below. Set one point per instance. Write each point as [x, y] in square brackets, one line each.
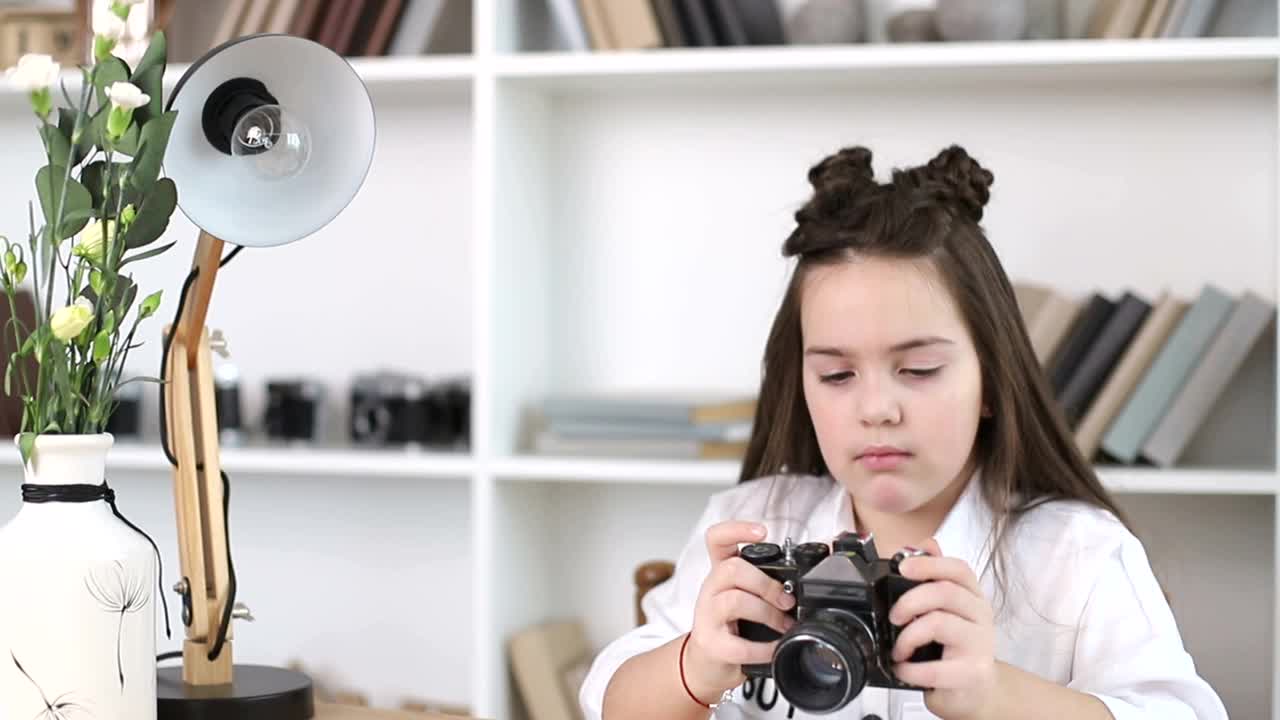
[883, 459]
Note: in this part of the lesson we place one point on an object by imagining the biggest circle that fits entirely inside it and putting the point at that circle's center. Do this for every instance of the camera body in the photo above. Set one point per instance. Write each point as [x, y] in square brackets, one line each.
[294, 408]
[391, 408]
[842, 640]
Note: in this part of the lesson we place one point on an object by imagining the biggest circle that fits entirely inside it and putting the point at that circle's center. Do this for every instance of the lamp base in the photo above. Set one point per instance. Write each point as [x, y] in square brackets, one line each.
[256, 693]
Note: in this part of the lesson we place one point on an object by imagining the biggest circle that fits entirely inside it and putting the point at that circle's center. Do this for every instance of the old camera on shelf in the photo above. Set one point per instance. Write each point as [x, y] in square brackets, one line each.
[294, 409]
[393, 408]
[842, 640]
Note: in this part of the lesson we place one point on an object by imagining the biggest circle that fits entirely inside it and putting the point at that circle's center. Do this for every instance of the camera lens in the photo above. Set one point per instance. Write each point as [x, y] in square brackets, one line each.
[822, 665]
[819, 665]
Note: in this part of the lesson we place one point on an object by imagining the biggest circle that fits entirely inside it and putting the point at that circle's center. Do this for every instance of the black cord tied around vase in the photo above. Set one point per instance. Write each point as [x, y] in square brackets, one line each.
[83, 493]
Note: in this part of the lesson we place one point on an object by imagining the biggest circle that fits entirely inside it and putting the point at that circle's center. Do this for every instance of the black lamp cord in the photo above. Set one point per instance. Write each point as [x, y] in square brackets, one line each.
[81, 493]
[225, 625]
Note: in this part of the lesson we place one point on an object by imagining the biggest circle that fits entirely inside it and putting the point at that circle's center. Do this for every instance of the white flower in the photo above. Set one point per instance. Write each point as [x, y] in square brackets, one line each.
[33, 72]
[131, 52]
[92, 242]
[106, 23]
[70, 321]
[127, 96]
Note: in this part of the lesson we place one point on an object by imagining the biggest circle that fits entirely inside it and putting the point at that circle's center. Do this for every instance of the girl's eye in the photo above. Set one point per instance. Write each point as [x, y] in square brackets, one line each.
[921, 372]
[836, 378]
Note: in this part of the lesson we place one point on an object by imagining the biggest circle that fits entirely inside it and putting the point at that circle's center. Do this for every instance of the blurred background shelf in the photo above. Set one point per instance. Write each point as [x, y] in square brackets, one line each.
[445, 74]
[1244, 60]
[298, 461]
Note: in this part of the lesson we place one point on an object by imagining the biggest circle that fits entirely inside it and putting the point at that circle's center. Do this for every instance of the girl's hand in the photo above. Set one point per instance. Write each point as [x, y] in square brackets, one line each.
[734, 589]
[952, 611]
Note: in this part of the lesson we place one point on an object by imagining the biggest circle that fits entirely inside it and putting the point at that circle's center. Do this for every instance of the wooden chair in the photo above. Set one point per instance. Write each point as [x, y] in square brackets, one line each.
[647, 576]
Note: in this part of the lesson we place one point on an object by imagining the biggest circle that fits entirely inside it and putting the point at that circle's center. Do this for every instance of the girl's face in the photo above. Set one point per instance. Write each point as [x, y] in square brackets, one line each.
[891, 379]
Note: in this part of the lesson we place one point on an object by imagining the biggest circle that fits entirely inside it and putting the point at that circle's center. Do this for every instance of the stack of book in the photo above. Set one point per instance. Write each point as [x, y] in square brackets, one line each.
[1138, 377]
[648, 425]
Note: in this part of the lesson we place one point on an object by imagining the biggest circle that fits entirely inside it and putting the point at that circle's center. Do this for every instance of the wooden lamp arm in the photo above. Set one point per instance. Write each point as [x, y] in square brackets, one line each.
[208, 256]
[192, 428]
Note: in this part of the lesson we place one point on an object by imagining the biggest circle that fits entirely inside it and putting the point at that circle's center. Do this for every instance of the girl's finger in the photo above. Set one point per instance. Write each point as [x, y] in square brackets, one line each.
[737, 604]
[723, 538]
[729, 648]
[954, 633]
[743, 575]
[937, 567]
[945, 674]
[940, 595]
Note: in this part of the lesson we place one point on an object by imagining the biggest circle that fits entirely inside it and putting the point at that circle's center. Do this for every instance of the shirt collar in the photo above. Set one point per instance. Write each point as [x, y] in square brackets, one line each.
[964, 533]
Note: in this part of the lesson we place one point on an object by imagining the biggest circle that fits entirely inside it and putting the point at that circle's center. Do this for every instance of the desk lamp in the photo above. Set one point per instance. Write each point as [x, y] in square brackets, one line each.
[273, 138]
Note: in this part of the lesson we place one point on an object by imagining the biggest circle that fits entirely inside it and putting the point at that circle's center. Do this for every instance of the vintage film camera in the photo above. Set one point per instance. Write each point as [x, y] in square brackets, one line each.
[842, 640]
[294, 410]
[392, 408]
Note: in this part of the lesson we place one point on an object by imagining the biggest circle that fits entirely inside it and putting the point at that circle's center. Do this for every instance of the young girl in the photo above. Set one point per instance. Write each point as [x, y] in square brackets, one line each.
[901, 398]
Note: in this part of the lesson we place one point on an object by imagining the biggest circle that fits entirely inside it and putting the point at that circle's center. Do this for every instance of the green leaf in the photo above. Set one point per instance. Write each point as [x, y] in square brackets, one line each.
[101, 346]
[95, 131]
[142, 378]
[153, 215]
[150, 157]
[49, 187]
[67, 124]
[26, 443]
[94, 177]
[106, 72]
[128, 143]
[126, 291]
[149, 305]
[59, 145]
[157, 51]
[78, 215]
[147, 253]
[109, 324]
[122, 295]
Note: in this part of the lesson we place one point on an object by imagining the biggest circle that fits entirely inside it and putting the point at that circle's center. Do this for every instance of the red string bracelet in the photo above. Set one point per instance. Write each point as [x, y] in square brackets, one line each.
[684, 682]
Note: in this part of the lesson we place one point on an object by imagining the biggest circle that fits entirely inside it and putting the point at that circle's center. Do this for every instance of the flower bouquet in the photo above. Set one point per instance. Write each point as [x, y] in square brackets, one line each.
[102, 206]
[79, 604]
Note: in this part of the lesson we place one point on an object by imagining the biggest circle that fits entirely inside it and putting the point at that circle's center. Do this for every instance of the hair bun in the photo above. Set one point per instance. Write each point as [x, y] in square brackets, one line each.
[849, 165]
[957, 179]
[838, 181]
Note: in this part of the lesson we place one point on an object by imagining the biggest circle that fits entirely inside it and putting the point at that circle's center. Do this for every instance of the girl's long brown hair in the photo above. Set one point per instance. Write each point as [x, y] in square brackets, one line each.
[1024, 448]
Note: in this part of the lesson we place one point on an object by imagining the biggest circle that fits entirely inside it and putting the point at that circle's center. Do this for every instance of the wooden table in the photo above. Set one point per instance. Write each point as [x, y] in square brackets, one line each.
[325, 711]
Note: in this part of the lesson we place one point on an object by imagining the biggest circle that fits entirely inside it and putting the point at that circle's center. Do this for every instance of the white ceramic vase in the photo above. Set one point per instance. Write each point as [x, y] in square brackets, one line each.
[77, 598]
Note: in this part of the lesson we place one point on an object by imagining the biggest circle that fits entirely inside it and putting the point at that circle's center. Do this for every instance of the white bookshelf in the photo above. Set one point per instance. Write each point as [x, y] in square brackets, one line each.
[564, 221]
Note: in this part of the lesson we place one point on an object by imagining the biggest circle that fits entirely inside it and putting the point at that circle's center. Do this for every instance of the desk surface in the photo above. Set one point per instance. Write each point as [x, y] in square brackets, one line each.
[325, 711]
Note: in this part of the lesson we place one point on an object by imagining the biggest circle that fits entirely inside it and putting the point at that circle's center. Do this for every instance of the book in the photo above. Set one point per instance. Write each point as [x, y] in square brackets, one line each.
[547, 442]
[1170, 368]
[669, 407]
[1092, 318]
[1249, 316]
[1053, 320]
[1102, 355]
[1166, 311]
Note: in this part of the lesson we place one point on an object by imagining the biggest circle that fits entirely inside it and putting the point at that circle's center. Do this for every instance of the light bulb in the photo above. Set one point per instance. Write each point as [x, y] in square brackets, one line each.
[274, 142]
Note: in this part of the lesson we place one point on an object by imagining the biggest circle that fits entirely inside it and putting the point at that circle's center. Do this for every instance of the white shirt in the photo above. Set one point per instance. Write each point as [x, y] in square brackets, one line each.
[1084, 609]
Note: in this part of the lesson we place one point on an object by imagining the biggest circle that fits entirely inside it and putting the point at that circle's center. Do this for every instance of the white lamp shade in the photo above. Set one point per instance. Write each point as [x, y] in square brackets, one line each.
[221, 194]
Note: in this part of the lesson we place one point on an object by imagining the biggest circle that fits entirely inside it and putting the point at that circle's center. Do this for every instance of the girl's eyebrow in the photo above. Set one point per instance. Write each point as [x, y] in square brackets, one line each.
[904, 346]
